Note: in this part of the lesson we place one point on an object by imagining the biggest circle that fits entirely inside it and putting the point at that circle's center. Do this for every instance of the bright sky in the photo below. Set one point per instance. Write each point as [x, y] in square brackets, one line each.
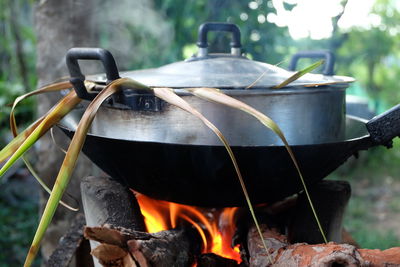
[313, 18]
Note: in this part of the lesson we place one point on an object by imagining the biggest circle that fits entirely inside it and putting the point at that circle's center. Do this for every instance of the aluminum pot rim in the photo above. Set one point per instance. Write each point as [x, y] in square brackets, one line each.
[270, 91]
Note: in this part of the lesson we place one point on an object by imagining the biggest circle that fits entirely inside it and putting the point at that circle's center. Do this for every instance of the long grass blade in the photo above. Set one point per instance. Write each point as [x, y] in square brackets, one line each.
[298, 74]
[169, 96]
[45, 187]
[48, 88]
[11, 147]
[64, 106]
[69, 162]
[262, 75]
[214, 95]
[55, 142]
[14, 129]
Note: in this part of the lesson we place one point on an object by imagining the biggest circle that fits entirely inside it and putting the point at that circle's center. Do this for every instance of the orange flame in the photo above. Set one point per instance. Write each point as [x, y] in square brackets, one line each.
[215, 227]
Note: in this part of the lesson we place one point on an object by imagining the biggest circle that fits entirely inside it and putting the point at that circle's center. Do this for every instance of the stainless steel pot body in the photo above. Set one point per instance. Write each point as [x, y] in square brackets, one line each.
[305, 115]
[165, 152]
[203, 175]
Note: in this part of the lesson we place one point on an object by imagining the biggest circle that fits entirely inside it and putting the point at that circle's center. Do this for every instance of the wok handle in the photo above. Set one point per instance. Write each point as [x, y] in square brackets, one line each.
[77, 78]
[206, 27]
[384, 127]
[327, 55]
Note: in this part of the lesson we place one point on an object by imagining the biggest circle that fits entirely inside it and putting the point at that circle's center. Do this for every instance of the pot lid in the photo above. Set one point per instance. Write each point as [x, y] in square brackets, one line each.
[225, 71]
[230, 70]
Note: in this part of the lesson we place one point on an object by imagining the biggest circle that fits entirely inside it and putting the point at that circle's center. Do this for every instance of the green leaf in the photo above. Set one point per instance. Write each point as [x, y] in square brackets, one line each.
[298, 74]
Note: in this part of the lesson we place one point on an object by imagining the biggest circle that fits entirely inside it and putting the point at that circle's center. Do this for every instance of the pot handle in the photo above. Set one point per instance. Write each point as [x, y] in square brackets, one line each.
[384, 127]
[327, 55]
[218, 26]
[77, 78]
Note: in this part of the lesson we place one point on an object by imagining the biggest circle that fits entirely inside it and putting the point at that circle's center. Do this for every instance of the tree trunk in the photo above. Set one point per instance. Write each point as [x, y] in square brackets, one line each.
[60, 25]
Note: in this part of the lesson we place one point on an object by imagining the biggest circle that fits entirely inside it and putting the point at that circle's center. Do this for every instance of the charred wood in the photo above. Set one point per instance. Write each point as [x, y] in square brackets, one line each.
[121, 234]
[176, 247]
[123, 247]
[117, 236]
[113, 256]
[214, 260]
[106, 201]
[68, 244]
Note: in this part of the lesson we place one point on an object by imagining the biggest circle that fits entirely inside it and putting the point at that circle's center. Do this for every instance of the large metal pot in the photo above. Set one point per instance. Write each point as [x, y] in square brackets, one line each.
[307, 115]
[162, 151]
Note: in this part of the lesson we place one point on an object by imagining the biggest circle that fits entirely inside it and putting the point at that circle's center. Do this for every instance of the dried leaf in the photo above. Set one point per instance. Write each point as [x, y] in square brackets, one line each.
[11, 147]
[69, 162]
[48, 88]
[13, 125]
[214, 95]
[64, 106]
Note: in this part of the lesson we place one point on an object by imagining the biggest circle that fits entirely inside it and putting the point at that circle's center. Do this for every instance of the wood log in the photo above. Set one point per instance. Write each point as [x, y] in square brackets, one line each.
[113, 256]
[123, 247]
[68, 244]
[117, 236]
[176, 247]
[322, 255]
[106, 201]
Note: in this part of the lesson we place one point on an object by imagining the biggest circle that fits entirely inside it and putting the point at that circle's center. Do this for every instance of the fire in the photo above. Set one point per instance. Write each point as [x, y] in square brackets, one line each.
[216, 228]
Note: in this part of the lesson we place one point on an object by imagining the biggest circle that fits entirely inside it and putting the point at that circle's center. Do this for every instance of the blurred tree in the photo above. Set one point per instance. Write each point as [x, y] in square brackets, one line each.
[261, 40]
[371, 54]
[17, 59]
[59, 25]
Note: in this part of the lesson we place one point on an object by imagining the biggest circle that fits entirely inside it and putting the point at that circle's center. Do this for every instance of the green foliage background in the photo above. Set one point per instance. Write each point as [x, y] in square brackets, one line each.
[371, 55]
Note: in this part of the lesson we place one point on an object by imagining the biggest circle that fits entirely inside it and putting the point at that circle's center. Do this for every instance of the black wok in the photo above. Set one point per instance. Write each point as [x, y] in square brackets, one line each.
[204, 175]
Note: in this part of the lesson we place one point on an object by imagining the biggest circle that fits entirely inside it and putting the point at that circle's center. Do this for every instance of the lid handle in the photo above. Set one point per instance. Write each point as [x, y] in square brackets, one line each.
[218, 26]
[86, 53]
[327, 55]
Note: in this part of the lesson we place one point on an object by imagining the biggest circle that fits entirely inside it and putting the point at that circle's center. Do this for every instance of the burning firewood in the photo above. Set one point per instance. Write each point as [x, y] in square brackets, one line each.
[106, 201]
[122, 239]
[122, 247]
[176, 247]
